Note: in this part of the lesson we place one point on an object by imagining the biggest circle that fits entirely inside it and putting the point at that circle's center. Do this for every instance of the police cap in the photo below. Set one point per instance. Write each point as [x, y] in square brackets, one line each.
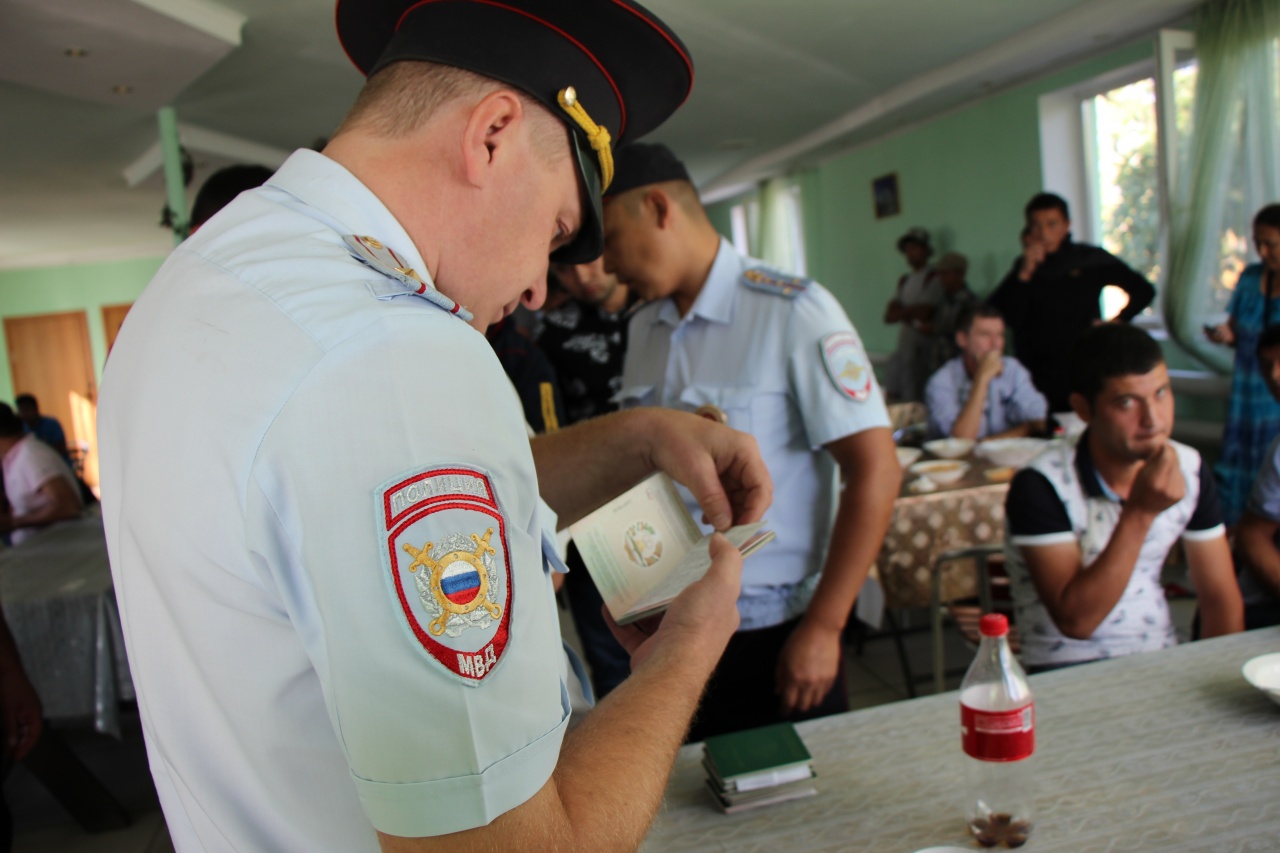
[609, 69]
[641, 164]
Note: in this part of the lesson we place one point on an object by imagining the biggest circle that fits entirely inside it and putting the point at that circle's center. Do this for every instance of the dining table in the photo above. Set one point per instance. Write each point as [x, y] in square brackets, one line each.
[1170, 751]
[60, 603]
[964, 513]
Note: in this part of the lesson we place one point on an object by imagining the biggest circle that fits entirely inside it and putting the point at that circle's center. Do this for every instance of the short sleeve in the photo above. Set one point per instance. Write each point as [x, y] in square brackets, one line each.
[44, 464]
[941, 401]
[831, 379]
[1034, 514]
[1207, 520]
[1264, 500]
[397, 512]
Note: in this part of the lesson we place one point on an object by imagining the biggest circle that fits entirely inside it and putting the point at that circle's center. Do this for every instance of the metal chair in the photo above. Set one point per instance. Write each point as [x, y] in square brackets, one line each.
[981, 555]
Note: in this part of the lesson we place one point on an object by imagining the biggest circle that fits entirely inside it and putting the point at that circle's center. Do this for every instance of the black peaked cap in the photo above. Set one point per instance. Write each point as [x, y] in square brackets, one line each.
[629, 70]
[641, 164]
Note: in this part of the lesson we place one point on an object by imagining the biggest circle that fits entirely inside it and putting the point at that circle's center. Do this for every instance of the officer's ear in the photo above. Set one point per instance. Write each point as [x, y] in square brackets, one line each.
[659, 204]
[490, 134]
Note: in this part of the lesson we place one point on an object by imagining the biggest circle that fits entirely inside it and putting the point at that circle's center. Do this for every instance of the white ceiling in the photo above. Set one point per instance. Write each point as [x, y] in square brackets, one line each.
[777, 84]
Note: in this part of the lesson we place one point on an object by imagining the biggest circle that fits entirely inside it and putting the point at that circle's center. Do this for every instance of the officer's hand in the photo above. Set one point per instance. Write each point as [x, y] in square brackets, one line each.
[1159, 484]
[807, 667]
[720, 466]
[699, 622]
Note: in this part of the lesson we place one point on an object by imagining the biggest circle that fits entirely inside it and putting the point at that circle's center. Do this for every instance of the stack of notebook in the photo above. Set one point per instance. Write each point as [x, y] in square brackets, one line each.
[758, 767]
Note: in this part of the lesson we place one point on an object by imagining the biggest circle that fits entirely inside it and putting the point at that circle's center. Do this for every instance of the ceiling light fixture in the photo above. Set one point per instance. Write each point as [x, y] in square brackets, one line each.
[75, 53]
[122, 89]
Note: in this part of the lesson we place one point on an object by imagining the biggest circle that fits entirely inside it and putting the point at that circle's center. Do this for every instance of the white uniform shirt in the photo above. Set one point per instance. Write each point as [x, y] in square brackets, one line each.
[271, 408]
[770, 352]
[28, 466]
[1059, 498]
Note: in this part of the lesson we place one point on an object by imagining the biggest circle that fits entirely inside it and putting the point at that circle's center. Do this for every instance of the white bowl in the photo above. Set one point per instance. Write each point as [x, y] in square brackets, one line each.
[1011, 452]
[1264, 673]
[940, 470]
[949, 448]
[907, 456]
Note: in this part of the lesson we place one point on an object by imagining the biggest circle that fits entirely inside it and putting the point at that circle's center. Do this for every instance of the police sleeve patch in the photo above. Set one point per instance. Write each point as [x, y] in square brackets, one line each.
[444, 547]
[847, 364]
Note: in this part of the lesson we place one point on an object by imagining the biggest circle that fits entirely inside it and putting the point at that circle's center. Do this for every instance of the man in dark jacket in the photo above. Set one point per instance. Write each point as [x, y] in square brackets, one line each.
[1052, 295]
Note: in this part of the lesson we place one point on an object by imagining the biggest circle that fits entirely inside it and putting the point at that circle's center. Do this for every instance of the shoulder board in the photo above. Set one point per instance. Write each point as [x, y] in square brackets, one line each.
[770, 281]
[373, 253]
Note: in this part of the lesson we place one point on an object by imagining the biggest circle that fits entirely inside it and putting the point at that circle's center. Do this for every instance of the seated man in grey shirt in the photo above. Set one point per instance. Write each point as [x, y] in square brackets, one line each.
[982, 393]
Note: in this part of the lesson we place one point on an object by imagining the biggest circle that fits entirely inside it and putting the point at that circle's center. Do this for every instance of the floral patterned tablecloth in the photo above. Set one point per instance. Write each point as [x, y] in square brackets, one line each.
[963, 514]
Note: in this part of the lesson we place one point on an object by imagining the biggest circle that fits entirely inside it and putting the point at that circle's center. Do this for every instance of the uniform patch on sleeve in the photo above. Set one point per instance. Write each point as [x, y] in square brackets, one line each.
[847, 364]
[444, 545]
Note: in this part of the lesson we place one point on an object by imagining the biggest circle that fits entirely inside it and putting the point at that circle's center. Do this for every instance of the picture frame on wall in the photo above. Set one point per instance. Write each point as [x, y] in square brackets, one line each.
[884, 195]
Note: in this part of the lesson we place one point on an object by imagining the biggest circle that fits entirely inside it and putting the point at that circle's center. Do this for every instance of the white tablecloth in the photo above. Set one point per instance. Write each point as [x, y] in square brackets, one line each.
[1170, 751]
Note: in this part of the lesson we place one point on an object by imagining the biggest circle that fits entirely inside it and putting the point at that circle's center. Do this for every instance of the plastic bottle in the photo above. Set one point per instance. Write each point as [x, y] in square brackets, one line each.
[997, 725]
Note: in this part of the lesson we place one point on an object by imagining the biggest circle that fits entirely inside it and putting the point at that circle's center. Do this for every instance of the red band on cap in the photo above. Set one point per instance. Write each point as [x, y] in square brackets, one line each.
[622, 106]
[667, 36]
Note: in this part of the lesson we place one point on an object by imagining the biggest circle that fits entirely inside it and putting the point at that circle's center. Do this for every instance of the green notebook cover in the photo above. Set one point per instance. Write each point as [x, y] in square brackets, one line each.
[755, 751]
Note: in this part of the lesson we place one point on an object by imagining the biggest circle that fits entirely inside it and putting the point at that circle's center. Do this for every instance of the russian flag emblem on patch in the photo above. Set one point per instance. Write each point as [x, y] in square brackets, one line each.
[448, 565]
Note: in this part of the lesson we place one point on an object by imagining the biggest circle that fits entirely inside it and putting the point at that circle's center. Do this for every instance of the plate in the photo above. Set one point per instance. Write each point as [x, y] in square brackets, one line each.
[940, 470]
[908, 456]
[1011, 452]
[949, 448]
[1264, 673]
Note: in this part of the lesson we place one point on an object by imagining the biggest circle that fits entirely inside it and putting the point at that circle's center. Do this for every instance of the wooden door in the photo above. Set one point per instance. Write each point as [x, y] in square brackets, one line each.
[112, 320]
[49, 356]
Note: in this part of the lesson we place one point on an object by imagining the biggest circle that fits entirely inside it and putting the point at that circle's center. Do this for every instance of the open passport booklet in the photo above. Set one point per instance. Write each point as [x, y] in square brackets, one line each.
[643, 547]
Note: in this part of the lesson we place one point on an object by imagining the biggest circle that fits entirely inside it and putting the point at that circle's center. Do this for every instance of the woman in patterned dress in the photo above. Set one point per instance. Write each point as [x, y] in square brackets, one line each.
[1253, 416]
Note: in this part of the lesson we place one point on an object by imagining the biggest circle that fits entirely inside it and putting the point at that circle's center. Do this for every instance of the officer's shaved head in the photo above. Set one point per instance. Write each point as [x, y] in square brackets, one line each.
[402, 97]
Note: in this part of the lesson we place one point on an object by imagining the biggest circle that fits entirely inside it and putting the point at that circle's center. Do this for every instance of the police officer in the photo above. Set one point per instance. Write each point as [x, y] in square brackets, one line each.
[322, 508]
[774, 356]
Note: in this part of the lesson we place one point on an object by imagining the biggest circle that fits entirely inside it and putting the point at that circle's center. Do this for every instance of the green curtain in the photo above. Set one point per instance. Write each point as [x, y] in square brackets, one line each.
[1234, 126]
[777, 226]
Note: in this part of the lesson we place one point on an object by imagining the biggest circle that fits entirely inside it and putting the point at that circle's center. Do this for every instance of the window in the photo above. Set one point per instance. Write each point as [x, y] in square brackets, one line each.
[1114, 145]
[1125, 202]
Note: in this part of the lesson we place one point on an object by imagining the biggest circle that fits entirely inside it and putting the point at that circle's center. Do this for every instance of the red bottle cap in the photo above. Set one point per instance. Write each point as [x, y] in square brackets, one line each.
[993, 625]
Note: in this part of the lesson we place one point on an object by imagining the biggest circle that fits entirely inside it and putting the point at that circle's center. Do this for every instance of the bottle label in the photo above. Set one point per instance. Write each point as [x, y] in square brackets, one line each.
[998, 735]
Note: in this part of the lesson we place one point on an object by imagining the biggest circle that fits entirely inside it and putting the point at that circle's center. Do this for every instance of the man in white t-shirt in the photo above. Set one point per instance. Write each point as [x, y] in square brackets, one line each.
[1090, 524]
[40, 487]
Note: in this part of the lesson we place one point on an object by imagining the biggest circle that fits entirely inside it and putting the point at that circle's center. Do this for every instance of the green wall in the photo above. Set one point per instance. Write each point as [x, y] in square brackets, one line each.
[964, 176]
[81, 287]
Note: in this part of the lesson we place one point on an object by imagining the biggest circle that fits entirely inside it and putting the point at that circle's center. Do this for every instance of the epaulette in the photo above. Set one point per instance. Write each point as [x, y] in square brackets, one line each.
[372, 253]
[770, 281]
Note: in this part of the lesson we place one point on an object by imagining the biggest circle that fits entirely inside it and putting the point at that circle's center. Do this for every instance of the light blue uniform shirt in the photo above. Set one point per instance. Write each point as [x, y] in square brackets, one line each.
[755, 351]
[1012, 398]
[302, 461]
